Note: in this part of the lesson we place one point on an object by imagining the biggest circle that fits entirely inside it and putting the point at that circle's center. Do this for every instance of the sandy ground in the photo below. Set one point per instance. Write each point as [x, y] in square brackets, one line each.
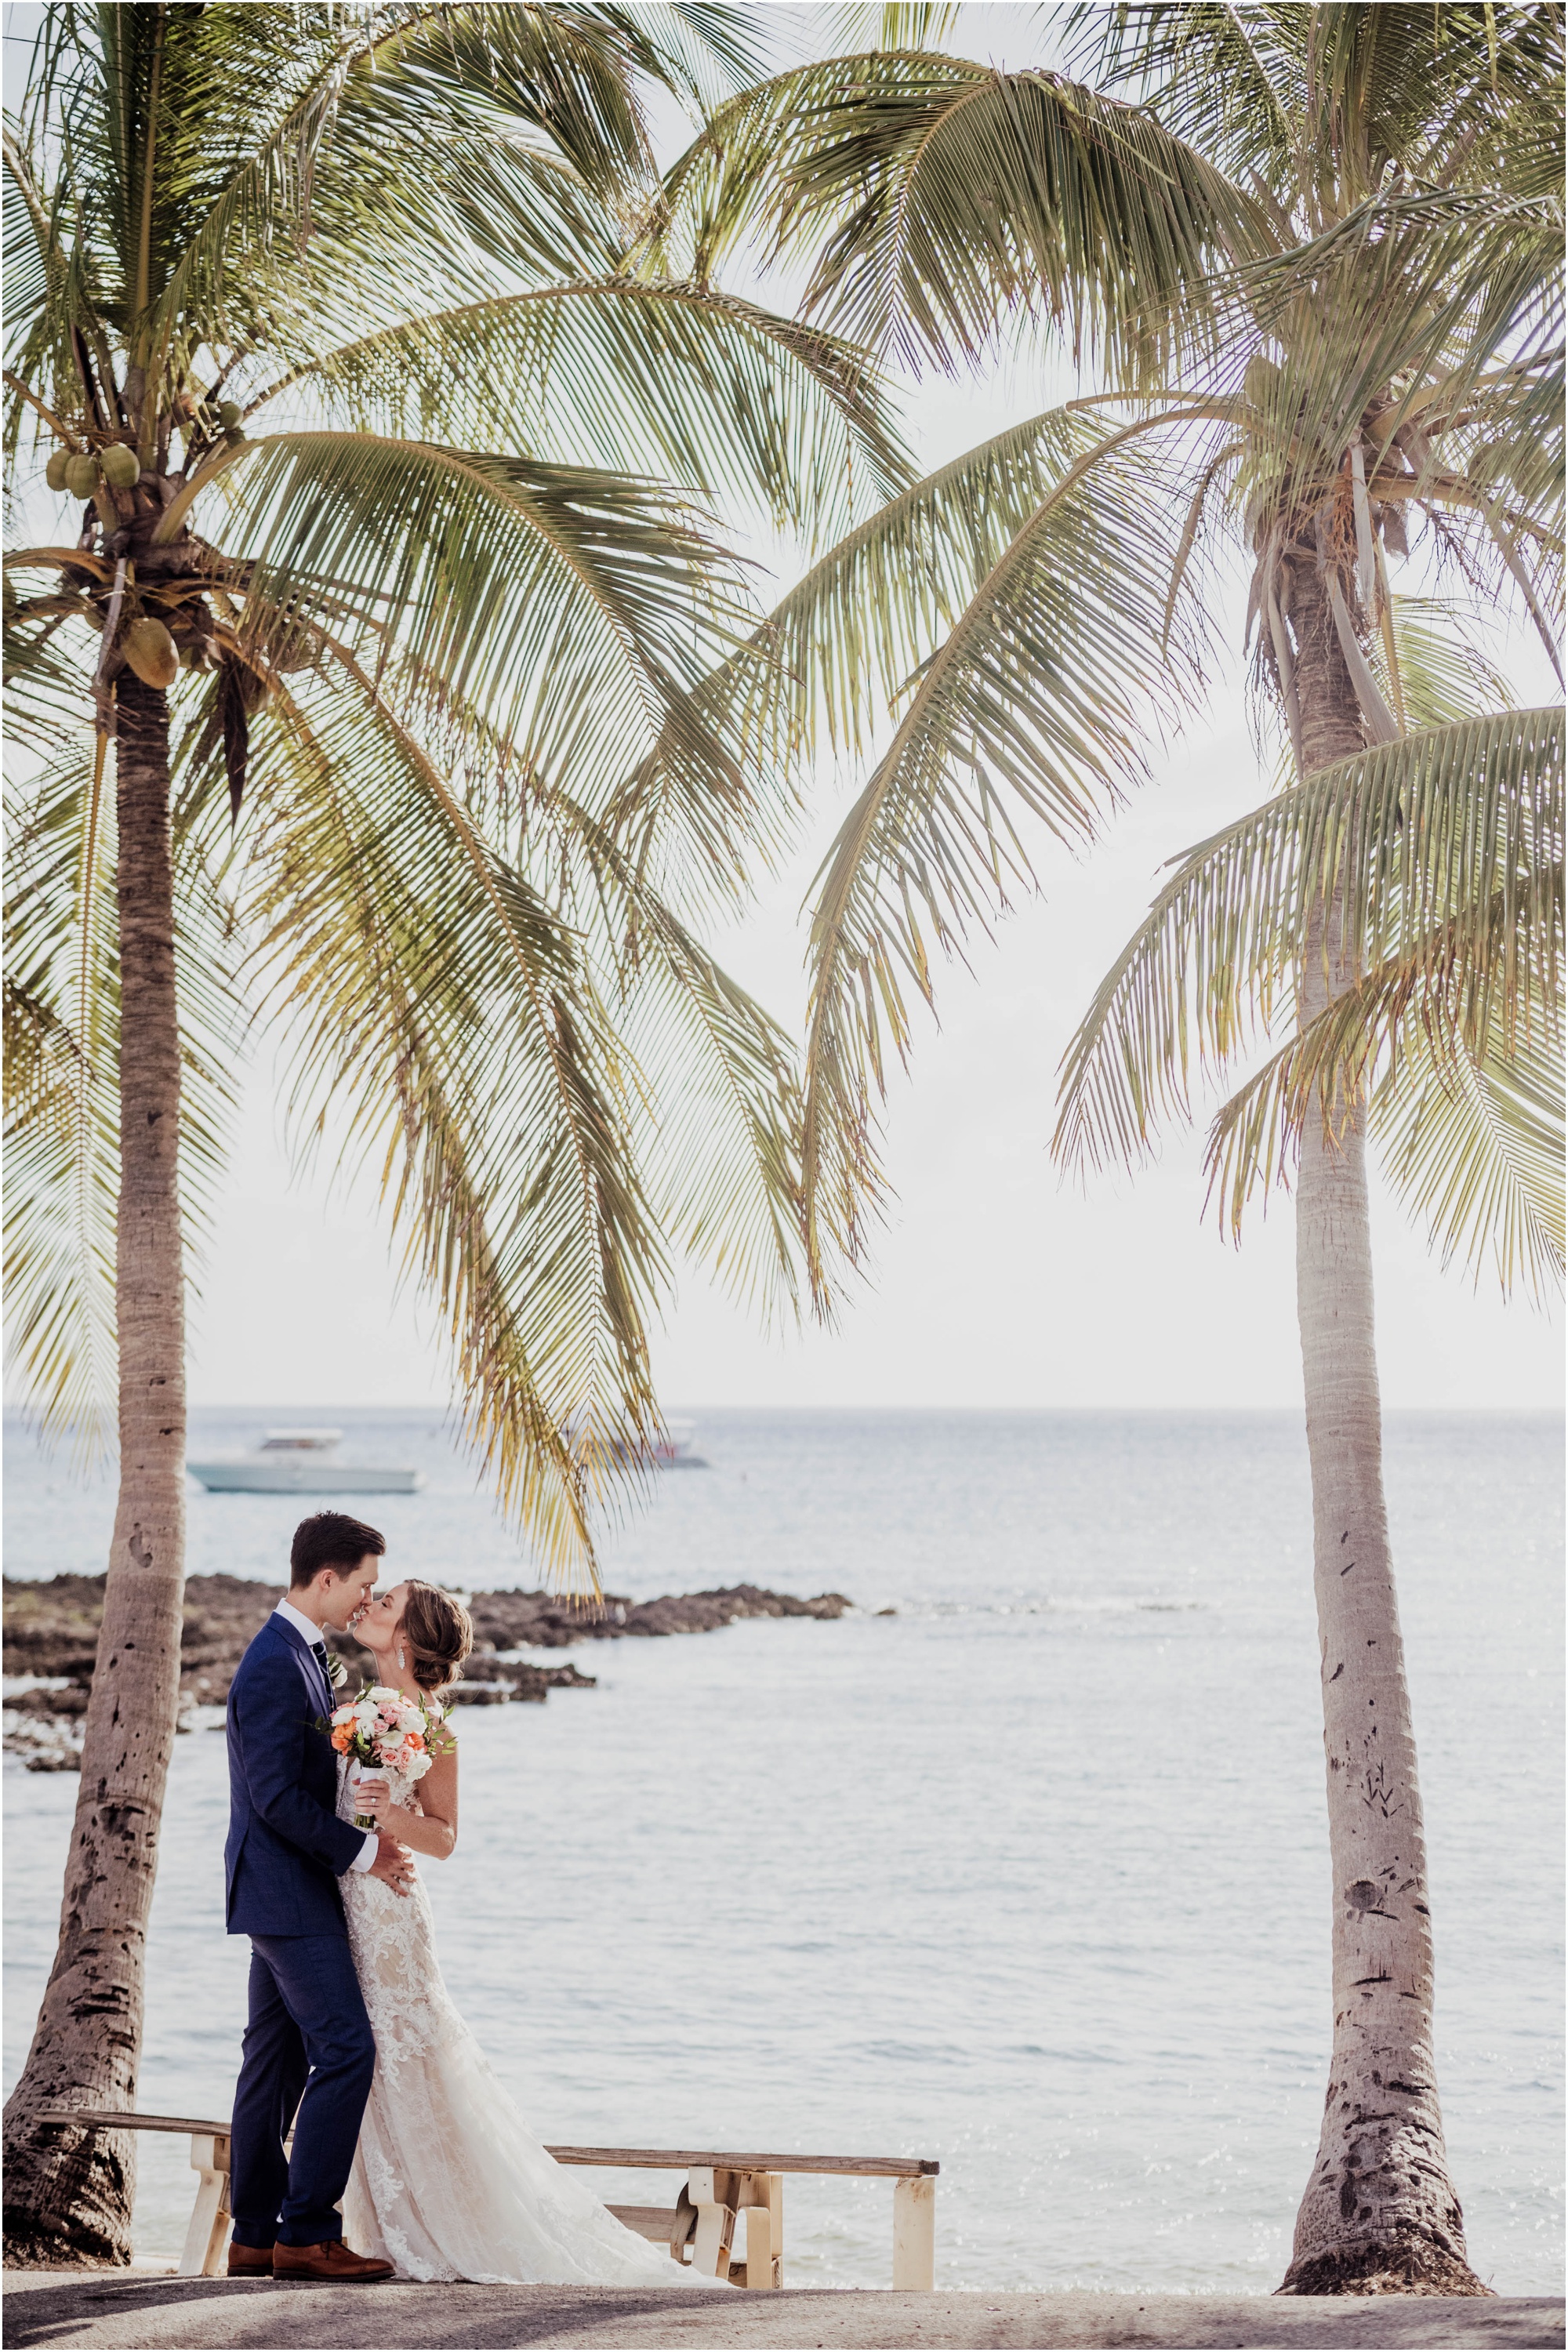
[121, 2312]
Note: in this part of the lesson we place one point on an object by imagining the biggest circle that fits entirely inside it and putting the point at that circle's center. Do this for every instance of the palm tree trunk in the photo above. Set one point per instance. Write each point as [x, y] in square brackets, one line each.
[69, 2191]
[1380, 2214]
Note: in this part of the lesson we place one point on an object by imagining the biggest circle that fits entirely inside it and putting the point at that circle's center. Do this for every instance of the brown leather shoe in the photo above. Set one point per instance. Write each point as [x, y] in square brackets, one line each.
[332, 2260]
[249, 2261]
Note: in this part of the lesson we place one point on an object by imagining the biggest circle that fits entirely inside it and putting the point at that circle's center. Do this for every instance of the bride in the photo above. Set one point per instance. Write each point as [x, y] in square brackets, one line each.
[448, 2182]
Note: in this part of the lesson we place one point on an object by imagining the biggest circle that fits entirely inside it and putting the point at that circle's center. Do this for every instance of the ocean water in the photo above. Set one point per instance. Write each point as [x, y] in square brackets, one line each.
[1031, 1877]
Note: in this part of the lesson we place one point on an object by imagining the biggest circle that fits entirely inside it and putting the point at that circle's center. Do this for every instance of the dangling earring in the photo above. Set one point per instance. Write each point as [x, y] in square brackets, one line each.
[401, 1659]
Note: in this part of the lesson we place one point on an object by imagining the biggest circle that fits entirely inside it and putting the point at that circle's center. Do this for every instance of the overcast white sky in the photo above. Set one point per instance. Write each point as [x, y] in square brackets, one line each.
[994, 1285]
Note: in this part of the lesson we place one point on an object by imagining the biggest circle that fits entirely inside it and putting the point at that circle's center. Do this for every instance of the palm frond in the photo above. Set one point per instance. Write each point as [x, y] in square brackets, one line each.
[699, 49]
[445, 1025]
[1473, 1143]
[1431, 850]
[1316, 104]
[718, 1110]
[938, 197]
[62, 1106]
[1035, 704]
[270, 183]
[842, 644]
[1443, 669]
[839, 647]
[576, 611]
[752, 408]
[1454, 301]
[1462, 1089]
[61, 1100]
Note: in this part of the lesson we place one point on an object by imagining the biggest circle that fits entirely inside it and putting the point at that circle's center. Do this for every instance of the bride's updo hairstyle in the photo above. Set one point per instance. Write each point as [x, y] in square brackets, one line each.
[438, 1633]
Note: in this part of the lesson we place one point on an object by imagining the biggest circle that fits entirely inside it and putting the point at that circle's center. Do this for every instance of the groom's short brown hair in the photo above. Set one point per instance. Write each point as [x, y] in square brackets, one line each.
[330, 1539]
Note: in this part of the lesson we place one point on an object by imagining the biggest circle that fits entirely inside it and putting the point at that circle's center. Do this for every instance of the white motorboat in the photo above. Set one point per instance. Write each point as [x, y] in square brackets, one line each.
[302, 1461]
[671, 1450]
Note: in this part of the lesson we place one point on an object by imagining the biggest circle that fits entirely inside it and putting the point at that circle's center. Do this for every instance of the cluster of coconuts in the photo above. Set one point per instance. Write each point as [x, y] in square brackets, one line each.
[116, 466]
[84, 472]
[150, 649]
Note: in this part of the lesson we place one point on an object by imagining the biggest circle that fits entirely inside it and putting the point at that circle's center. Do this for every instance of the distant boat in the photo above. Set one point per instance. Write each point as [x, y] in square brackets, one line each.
[302, 1461]
[673, 1450]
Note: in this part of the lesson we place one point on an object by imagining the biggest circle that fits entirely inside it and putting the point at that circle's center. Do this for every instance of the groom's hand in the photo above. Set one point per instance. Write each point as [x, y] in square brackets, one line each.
[393, 1863]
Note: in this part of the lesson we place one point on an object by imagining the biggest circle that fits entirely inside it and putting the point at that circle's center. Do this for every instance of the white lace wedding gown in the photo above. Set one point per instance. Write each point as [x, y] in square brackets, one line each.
[447, 2182]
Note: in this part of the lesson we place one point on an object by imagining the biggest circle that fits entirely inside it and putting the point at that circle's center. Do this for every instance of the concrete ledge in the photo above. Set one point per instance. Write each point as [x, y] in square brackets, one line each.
[120, 2311]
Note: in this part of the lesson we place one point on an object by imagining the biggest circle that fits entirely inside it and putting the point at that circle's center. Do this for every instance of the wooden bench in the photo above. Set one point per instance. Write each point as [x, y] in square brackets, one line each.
[721, 2185]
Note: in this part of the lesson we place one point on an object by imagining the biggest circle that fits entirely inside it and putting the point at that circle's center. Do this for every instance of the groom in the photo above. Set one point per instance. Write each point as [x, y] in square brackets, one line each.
[287, 1849]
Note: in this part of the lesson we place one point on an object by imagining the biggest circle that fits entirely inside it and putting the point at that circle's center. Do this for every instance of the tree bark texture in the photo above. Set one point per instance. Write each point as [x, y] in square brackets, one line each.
[69, 2191]
[1379, 2214]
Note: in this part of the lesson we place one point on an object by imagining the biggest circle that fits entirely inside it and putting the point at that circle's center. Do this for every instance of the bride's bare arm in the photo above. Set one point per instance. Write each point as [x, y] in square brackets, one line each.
[433, 1830]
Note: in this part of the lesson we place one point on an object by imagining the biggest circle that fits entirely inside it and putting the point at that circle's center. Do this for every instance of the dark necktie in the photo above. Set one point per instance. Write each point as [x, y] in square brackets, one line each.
[319, 1652]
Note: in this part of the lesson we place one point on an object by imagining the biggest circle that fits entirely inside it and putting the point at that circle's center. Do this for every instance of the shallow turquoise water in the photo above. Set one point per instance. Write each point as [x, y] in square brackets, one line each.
[1031, 1877]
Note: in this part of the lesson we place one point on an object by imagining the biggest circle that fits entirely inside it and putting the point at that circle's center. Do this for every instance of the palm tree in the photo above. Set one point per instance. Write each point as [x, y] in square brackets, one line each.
[437, 638]
[1428, 876]
[1312, 253]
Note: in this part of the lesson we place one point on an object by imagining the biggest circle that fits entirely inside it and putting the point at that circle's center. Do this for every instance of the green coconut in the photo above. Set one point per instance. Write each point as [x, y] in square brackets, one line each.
[150, 650]
[1261, 379]
[229, 413]
[81, 475]
[121, 467]
[54, 471]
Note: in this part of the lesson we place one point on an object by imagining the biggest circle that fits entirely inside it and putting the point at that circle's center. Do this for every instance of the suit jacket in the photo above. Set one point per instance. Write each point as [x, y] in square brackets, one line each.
[287, 1848]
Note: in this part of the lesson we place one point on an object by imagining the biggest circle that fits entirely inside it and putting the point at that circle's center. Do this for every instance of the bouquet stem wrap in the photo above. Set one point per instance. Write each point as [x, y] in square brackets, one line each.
[383, 1730]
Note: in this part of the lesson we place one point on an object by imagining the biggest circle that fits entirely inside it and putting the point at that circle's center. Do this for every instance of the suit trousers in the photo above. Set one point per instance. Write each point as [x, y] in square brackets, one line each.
[308, 2033]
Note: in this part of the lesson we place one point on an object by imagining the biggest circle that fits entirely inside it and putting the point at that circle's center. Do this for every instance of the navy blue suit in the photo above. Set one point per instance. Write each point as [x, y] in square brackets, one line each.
[307, 2032]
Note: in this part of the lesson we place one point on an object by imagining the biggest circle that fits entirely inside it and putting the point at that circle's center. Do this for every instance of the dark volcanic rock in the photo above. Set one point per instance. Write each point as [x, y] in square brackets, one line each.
[47, 1624]
[544, 1620]
[70, 1701]
[51, 1629]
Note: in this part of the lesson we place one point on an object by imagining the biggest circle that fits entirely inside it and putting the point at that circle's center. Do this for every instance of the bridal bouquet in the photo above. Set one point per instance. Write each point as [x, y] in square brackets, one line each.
[383, 1730]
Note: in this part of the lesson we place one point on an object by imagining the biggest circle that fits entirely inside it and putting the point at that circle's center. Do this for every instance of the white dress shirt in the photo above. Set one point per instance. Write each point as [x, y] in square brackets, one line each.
[312, 1633]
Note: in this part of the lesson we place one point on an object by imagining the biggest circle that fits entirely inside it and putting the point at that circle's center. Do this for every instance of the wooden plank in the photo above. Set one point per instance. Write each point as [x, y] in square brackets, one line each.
[118, 2119]
[655, 2221]
[871, 2167]
[648, 2159]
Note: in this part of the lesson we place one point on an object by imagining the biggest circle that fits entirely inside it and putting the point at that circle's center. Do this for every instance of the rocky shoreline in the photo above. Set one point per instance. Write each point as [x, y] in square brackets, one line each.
[51, 1636]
